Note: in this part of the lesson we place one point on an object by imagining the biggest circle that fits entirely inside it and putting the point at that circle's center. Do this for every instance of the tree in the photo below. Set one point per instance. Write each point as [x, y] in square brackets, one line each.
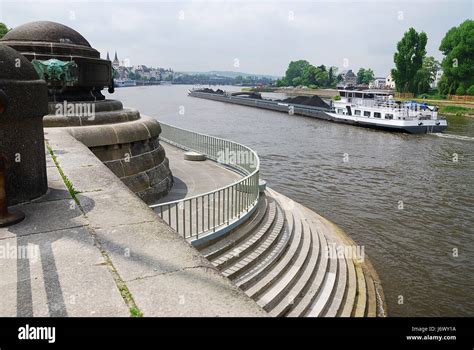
[470, 91]
[365, 76]
[303, 73]
[332, 76]
[460, 90]
[458, 63]
[297, 81]
[3, 30]
[409, 60]
[432, 66]
[426, 75]
[321, 76]
[295, 69]
[368, 76]
[360, 75]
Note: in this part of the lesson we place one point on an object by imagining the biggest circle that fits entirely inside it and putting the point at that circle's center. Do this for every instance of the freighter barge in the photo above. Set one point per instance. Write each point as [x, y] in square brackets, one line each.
[367, 108]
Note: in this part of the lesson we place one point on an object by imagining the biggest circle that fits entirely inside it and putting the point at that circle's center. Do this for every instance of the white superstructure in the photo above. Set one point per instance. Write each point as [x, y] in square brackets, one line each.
[378, 109]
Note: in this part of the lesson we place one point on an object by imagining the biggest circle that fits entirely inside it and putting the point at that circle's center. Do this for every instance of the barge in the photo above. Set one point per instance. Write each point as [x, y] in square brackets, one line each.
[367, 108]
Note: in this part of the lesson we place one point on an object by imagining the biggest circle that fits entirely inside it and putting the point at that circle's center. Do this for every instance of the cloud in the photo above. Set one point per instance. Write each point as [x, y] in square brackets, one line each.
[263, 35]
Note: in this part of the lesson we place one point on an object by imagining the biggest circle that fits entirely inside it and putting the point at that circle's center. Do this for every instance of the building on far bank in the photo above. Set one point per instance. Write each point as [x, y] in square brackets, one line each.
[378, 83]
[348, 78]
[389, 82]
[116, 62]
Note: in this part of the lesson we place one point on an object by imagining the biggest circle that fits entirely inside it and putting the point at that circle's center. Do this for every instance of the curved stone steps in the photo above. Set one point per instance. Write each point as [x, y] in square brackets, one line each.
[281, 260]
[223, 244]
[281, 287]
[250, 242]
[361, 297]
[288, 258]
[340, 289]
[251, 276]
[350, 295]
[324, 295]
[342, 301]
[371, 297]
[260, 251]
[298, 290]
[317, 281]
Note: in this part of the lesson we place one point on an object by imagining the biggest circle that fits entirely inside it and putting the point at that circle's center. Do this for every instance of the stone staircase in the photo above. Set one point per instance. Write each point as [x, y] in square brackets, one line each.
[279, 257]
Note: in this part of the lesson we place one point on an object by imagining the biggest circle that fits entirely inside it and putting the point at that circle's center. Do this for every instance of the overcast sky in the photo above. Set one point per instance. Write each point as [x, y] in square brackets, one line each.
[249, 36]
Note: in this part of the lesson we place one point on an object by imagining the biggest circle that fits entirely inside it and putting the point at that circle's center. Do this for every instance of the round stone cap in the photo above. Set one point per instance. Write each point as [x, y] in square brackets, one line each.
[194, 156]
[46, 31]
[14, 66]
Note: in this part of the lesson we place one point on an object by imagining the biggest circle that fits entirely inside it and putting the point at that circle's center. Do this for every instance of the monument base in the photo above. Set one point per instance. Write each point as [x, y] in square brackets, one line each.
[127, 143]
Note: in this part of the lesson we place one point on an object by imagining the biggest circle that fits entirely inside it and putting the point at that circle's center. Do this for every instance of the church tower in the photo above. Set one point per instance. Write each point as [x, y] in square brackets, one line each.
[116, 62]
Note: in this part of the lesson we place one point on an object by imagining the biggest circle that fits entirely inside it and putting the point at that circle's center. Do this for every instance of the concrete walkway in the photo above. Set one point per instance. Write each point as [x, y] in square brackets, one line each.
[107, 254]
[194, 177]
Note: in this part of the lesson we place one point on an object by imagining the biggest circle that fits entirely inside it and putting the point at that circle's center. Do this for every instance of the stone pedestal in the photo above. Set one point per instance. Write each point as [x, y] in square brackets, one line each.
[75, 74]
[23, 103]
[127, 143]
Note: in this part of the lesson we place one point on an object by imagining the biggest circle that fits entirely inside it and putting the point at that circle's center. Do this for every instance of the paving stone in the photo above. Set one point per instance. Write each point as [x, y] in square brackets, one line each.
[63, 274]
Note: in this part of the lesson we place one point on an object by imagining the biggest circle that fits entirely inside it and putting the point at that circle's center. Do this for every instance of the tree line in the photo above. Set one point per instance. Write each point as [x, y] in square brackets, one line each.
[301, 72]
[414, 71]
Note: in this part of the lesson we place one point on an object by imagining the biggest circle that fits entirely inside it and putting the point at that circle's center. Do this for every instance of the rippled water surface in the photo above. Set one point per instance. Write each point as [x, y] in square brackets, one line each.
[401, 196]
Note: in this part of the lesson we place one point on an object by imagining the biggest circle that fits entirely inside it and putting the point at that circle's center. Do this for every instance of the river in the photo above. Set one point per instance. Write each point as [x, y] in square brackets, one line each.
[408, 199]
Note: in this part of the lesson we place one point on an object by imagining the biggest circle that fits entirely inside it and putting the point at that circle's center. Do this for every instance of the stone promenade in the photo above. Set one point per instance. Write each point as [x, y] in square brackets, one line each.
[104, 253]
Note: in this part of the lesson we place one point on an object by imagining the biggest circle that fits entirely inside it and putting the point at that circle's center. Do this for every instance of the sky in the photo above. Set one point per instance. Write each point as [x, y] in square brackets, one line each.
[259, 37]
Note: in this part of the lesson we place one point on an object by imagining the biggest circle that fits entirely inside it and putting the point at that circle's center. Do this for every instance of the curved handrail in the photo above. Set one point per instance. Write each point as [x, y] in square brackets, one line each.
[214, 210]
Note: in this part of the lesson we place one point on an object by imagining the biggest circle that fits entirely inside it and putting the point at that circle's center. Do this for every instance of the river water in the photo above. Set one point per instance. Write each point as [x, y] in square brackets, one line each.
[408, 199]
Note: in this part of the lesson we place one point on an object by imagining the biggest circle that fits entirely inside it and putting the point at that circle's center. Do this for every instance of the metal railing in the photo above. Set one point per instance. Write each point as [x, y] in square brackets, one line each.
[212, 211]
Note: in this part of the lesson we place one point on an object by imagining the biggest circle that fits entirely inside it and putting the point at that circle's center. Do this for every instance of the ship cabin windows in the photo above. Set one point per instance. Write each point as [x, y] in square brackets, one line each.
[340, 111]
[357, 112]
[367, 114]
[388, 116]
[377, 115]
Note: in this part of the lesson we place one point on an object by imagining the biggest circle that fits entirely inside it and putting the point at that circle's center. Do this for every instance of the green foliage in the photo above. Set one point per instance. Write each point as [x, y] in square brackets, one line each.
[134, 312]
[365, 76]
[426, 75]
[282, 82]
[3, 30]
[409, 60]
[470, 91]
[303, 73]
[458, 63]
[460, 91]
[296, 69]
[336, 98]
[456, 110]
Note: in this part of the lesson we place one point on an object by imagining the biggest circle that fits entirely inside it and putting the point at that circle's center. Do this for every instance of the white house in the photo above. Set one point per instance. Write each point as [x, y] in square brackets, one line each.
[378, 83]
[389, 82]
